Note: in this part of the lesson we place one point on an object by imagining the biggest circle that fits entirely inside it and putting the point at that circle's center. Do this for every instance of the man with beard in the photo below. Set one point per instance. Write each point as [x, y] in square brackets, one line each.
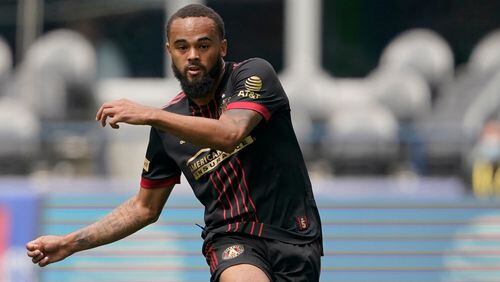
[229, 132]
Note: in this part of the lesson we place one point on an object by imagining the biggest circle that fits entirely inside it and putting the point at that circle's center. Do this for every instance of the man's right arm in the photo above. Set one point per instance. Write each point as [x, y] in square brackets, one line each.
[131, 216]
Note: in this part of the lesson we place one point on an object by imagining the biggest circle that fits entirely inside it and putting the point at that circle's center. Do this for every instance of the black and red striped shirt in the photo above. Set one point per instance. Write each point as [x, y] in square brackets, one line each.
[262, 188]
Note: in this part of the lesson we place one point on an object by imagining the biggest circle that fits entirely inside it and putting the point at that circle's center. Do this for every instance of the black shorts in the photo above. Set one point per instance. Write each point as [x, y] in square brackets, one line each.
[280, 261]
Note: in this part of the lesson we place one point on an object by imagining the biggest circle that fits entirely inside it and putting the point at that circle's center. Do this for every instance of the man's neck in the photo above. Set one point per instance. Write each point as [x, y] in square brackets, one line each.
[206, 99]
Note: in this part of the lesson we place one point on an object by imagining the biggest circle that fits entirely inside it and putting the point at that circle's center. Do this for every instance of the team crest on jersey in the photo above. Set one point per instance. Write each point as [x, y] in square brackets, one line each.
[302, 222]
[233, 252]
[146, 165]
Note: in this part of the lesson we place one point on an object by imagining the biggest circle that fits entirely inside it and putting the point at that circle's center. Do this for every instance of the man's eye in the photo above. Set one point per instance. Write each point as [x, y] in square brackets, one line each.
[204, 47]
[182, 48]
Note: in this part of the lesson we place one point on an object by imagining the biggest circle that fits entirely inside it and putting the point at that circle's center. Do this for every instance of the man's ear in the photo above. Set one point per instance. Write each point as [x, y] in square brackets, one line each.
[223, 48]
[167, 47]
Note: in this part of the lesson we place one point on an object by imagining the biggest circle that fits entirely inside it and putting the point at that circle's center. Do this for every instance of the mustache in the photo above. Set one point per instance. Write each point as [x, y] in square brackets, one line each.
[195, 64]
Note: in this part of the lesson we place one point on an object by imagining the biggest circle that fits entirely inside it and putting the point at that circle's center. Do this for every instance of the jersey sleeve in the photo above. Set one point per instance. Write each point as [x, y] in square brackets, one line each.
[255, 86]
[159, 169]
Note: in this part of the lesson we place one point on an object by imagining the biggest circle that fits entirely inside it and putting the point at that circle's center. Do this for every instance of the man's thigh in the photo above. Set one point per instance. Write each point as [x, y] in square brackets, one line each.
[231, 256]
[243, 273]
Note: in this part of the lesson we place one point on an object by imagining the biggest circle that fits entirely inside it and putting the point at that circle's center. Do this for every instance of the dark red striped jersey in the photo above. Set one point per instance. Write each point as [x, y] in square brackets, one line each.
[262, 188]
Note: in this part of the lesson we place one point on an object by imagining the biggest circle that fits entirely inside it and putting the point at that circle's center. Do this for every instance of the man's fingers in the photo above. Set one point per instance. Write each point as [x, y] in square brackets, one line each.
[104, 106]
[44, 261]
[98, 114]
[34, 253]
[113, 122]
[103, 121]
[101, 113]
[38, 258]
[102, 118]
[108, 112]
[31, 246]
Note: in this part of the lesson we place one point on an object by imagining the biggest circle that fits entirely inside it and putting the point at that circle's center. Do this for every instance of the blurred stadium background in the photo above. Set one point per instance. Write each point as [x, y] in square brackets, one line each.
[396, 106]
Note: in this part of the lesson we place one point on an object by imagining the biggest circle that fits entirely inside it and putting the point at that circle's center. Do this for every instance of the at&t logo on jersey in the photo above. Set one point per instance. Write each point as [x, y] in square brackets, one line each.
[253, 83]
[253, 86]
[233, 252]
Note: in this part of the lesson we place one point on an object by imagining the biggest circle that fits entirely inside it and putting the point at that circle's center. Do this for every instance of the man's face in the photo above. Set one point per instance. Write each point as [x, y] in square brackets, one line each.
[196, 51]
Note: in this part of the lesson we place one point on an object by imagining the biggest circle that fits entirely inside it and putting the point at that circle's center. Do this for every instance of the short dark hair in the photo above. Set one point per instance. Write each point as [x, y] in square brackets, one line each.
[197, 10]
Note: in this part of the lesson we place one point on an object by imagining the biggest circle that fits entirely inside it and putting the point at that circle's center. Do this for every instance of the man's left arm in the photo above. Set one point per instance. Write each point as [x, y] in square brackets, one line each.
[223, 134]
[140, 210]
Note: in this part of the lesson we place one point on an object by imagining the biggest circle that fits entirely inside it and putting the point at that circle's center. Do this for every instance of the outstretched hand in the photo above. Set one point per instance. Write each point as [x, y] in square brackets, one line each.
[123, 110]
[47, 249]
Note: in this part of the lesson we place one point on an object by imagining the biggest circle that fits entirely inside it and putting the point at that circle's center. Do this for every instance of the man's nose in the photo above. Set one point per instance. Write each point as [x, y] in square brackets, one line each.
[193, 54]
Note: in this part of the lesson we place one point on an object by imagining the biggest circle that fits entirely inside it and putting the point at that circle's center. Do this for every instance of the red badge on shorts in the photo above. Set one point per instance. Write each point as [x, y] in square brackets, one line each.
[232, 252]
[302, 222]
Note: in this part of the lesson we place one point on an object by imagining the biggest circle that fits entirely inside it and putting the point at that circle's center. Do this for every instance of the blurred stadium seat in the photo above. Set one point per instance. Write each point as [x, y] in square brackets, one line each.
[19, 137]
[484, 62]
[486, 55]
[441, 131]
[311, 100]
[423, 51]
[56, 77]
[361, 139]
[485, 106]
[404, 92]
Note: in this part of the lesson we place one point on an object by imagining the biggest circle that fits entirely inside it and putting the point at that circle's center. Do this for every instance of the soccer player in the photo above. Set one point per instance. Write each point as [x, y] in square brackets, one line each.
[229, 132]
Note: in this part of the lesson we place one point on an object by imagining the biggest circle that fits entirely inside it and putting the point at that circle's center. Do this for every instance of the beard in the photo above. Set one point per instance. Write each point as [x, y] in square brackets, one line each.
[198, 87]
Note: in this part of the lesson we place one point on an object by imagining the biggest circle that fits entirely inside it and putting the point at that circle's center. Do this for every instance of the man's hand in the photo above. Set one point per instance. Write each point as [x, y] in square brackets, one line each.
[47, 249]
[123, 110]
